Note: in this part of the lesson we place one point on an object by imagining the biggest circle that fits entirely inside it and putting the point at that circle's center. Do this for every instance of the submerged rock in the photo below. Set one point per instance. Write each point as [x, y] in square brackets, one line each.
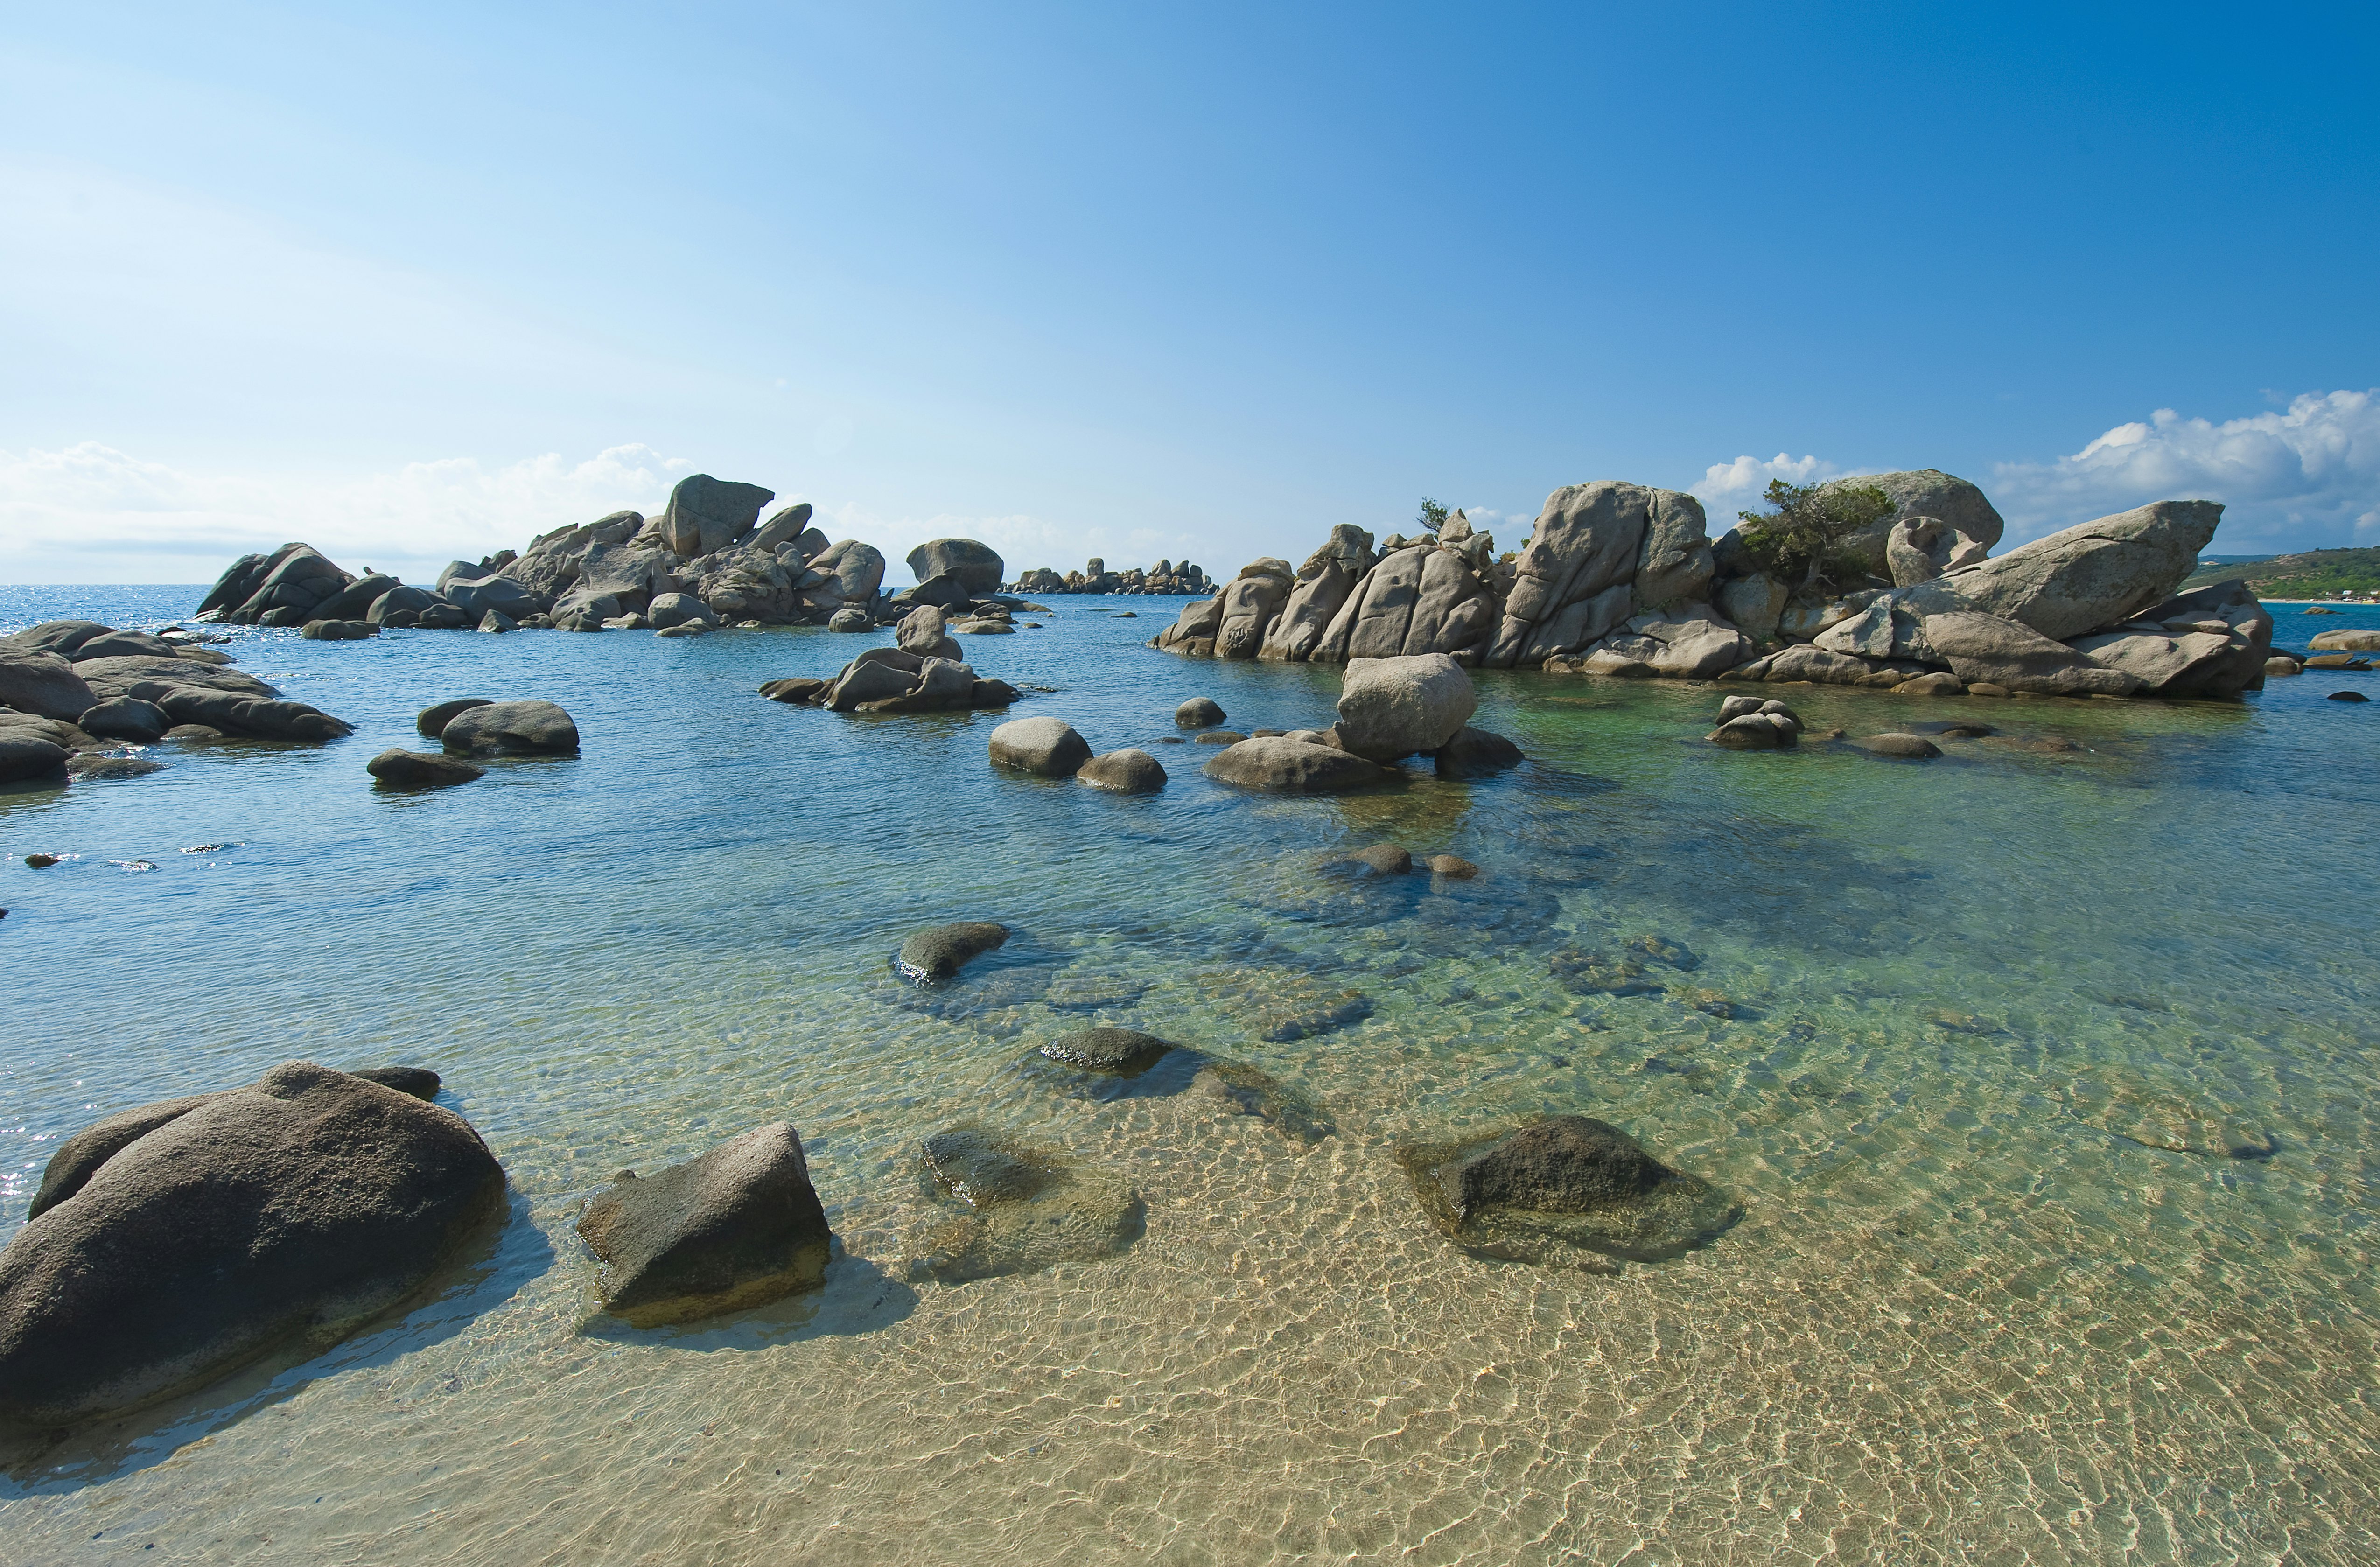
[1475, 753]
[1244, 1090]
[1595, 973]
[1124, 1052]
[298, 1208]
[1912, 747]
[1294, 767]
[936, 954]
[1544, 1191]
[1026, 1207]
[735, 1227]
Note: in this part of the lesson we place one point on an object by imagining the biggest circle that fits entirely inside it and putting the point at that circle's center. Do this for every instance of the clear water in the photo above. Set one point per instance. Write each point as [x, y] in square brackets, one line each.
[2001, 1294]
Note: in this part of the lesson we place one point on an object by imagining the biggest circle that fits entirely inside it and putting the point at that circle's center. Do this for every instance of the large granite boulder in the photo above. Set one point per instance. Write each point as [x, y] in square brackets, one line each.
[236, 713]
[1753, 603]
[678, 609]
[1986, 648]
[1193, 633]
[1044, 746]
[706, 514]
[1280, 765]
[298, 1208]
[625, 574]
[790, 527]
[974, 569]
[1424, 598]
[857, 570]
[925, 631]
[1952, 501]
[2347, 641]
[355, 601]
[1394, 707]
[498, 594]
[1689, 644]
[303, 580]
[239, 582]
[1129, 771]
[1323, 584]
[894, 680]
[25, 756]
[1674, 564]
[1575, 582]
[2084, 578]
[126, 718]
[44, 684]
[529, 728]
[1246, 608]
[551, 565]
[2214, 642]
[735, 1227]
[1546, 1190]
[1920, 549]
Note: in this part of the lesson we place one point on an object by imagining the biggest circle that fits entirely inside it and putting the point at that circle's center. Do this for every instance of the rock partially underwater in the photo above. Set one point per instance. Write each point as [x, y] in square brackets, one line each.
[1560, 1189]
[1021, 1207]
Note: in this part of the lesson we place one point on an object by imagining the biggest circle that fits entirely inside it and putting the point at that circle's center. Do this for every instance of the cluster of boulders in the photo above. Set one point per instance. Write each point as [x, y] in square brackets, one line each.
[1622, 580]
[74, 694]
[705, 560]
[923, 671]
[1388, 709]
[1095, 578]
[471, 727]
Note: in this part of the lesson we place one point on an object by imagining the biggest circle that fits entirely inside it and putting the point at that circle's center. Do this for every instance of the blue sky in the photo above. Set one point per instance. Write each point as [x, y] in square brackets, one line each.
[416, 281]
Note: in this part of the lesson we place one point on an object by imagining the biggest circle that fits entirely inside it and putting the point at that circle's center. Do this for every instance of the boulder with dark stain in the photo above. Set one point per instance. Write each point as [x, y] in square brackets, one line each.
[1018, 1206]
[1123, 1052]
[1553, 1188]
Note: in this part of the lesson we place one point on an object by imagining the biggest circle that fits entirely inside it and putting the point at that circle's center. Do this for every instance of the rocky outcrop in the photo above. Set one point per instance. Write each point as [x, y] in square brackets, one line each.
[1424, 598]
[525, 728]
[1394, 707]
[1547, 1190]
[2096, 574]
[2213, 642]
[2003, 652]
[1576, 581]
[738, 1227]
[1324, 583]
[924, 631]
[213, 1230]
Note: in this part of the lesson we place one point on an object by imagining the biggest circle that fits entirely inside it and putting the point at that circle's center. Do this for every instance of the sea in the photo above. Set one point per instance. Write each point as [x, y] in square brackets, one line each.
[2043, 1074]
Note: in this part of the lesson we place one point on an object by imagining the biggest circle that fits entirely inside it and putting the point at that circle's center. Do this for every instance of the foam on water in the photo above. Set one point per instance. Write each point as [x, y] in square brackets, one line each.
[2043, 1080]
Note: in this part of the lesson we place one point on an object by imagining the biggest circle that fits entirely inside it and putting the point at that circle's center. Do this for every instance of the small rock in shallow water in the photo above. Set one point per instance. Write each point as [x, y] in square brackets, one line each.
[1046, 747]
[1026, 1207]
[1382, 859]
[529, 728]
[1244, 1090]
[736, 1228]
[1199, 712]
[938, 953]
[400, 769]
[92, 766]
[1661, 949]
[1715, 1003]
[418, 1081]
[1906, 746]
[1595, 974]
[1129, 771]
[1454, 868]
[1124, 1053]
[1544, 1191]
[2348, 697]
[40, 862]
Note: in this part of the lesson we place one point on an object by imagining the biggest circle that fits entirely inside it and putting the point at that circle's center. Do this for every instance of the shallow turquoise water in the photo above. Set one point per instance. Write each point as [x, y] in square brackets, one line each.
[2002, 1292]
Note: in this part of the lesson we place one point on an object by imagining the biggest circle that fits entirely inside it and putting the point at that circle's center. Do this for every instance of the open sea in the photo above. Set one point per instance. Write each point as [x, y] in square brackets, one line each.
[2046, 1086]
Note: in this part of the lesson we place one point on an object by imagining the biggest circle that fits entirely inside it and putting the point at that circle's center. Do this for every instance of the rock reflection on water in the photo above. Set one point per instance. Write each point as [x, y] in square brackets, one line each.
[2042, 1078]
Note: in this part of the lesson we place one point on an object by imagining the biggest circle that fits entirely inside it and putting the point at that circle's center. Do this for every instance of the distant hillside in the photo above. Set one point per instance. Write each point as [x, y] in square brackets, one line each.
[2316, 574]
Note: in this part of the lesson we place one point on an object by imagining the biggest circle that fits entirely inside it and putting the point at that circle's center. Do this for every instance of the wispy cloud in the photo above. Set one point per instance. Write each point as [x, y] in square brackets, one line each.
[2305, 475]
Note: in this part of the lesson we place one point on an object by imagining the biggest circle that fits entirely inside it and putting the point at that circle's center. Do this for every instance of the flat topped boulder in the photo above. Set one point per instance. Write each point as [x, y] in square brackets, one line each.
[1044, 746]
[735, 1227]
[530, 728]
[940, 952]
[1282, 765]
[1129, 771]
[1123, 1052]
[298, 1208]
[397, 768]
[973, 567]
[1542, 1191]
[431, 723]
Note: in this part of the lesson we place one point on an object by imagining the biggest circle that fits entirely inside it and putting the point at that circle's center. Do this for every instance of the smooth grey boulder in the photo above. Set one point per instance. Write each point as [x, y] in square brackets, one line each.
[1391, 708]
[1127, 772]
[1120, 1052]
[925, 632]
[2347, 642]
[298, 1208]
[1199, 712]
[496, 594]
[851, 618]
[1755, 602]
[1022, 1207]
[1044, 746]
[496, 624]
[337, 630]
[530, 728]
[1544, 1191]
[678, 609]
[706, 514]
[1323, 585]
[25, 757]
[239, 582]
[63, 638]
[1475, 753]
[1907, 748]
[857, 569]
[235, 712]
[1421, 599]
[1247, 606]
[126, 718]
[44, 684]
[401, 606]
[1282, 765]
[79, 1158]
[400, 769]
[1955, 503]
[738, 1227]
[974, 569]
[1193, 634]
[355, 601]
[1689, 644]
[127, 645]
[2002, 652]
[789, 526]
[431, 723]
[2097, 574]
[938, 951]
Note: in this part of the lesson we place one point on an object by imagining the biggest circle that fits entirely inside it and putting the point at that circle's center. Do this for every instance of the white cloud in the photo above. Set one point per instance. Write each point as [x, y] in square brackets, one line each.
[2307, 475]
[92, 514]
[1728, 488]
